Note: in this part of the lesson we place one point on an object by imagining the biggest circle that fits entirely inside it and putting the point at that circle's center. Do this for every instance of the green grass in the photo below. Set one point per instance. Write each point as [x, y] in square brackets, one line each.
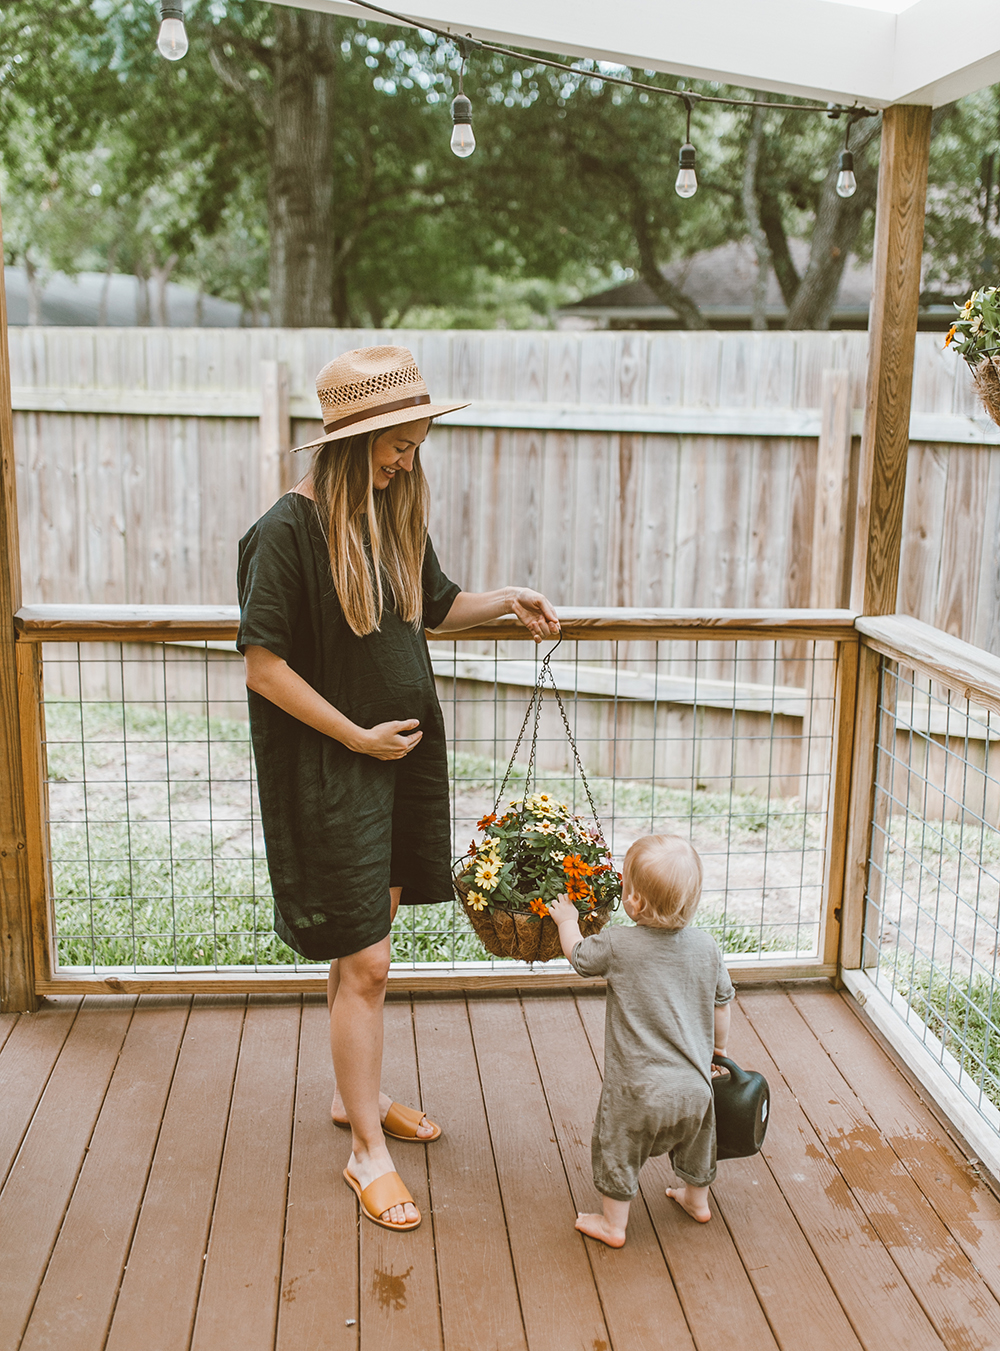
[140, 891]
[963, 1012]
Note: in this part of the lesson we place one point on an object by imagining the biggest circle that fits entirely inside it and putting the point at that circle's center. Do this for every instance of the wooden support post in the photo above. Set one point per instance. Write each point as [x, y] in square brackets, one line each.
[859, 829]
[276, 464]
[831, 547]
[838, 811]
[17, 969]
[885, 440]
[892, 329]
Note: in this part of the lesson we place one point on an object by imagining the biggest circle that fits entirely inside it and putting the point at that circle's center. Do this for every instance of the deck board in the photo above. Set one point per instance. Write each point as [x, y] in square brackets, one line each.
[319, 1272]
[147, 1136]
[29, 1052]
[41, 1182]
[238, 1304]
[470, 1233]
[159, 1294]
[950, 1289]
[959, 1196]
[75, 1302]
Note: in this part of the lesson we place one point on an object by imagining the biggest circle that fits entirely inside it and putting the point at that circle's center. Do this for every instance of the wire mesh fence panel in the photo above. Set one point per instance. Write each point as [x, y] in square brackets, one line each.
[932, 912]
[157, 856]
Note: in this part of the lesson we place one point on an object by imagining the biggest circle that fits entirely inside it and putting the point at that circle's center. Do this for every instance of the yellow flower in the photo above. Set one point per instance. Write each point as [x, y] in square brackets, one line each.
[475, 901]
[488, 873]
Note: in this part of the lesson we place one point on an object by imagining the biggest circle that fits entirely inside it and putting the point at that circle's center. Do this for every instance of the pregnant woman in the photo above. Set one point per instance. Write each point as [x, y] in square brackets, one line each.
[337, 583]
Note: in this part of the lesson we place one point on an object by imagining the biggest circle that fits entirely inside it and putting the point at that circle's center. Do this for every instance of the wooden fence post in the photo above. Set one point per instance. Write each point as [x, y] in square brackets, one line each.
[832, 536]
[17, 968]
[885, 438]
[275, 433]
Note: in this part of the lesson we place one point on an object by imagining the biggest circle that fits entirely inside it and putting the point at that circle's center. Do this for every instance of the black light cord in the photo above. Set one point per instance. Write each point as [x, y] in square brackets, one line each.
[686, 96]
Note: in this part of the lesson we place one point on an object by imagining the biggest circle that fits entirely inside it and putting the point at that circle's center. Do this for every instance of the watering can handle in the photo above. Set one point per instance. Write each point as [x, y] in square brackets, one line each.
[737, 1074]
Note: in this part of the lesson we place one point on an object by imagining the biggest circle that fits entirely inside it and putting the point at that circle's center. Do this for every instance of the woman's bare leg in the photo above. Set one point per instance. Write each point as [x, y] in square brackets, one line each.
[337, 1109]
[356, 1043]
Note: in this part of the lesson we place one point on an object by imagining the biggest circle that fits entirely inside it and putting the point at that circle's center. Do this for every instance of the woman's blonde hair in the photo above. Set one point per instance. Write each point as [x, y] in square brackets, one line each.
[391, 522]
[663, 874]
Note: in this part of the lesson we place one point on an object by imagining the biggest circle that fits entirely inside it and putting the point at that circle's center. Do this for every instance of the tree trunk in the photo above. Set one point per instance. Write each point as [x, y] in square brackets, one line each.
[160, 277]
[758, 320]
[663, 288]
[837, 222]
[34, 290]
[300, 193]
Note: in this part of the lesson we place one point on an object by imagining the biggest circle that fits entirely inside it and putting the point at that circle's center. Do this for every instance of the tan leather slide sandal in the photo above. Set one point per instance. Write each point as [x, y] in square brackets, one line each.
[381, 1195]
[402, 1122]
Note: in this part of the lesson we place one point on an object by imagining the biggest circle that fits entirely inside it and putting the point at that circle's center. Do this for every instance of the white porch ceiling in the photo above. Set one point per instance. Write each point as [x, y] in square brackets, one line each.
[876, 51]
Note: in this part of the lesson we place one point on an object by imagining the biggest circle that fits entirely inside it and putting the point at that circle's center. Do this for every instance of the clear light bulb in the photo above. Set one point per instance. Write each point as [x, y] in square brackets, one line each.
[686, 182]
[847, 184]
[172, 40]
[463, 142]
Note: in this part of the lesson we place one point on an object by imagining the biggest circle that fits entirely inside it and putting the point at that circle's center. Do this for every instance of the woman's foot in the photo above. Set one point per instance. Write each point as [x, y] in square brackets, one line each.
[692, 1199]
[365, 1168]
[425, 1130]
[596, 1226]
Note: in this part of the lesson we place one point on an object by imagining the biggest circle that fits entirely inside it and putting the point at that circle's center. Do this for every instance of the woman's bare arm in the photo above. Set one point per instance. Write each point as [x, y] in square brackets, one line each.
[272, 677]
[476, 607]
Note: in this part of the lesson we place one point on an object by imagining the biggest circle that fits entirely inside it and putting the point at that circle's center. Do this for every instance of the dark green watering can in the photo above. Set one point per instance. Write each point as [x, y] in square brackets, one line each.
[742, 1107]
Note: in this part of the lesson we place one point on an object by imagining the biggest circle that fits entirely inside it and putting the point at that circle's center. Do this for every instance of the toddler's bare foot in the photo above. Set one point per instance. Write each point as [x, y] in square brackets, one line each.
[596, 1226]
[692, 1199]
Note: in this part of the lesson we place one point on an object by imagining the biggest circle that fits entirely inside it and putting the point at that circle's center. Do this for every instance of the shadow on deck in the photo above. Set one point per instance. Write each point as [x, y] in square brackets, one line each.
[172, 1179]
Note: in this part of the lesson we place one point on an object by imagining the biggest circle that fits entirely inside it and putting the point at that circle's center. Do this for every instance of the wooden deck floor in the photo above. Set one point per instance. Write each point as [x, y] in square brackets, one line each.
[171, 1180]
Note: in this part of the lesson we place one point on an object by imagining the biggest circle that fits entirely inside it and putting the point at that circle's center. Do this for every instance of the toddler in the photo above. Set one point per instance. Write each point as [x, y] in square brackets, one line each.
[668, 1005]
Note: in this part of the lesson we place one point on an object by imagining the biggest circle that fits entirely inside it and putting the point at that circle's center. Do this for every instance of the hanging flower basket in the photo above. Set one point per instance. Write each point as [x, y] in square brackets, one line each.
[536, 850]
[975, 335]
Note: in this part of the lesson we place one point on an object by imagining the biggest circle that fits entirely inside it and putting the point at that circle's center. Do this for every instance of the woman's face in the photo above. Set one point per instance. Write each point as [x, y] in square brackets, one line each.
[393, 450]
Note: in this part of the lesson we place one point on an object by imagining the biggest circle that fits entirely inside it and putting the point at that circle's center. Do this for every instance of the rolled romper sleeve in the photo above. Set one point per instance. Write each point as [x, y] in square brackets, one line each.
[439, 591]
[271, 589]
[724, 988]
[593, 956]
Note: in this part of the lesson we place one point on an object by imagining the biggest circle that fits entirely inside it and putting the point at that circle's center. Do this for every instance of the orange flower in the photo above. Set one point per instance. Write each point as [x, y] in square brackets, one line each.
[473, 849]
[486, 821]
[573, 865]
[539, 906]
[951, 334]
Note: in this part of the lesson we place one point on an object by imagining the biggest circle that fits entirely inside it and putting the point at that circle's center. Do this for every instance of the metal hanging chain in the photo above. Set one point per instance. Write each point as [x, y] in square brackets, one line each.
[535, 706]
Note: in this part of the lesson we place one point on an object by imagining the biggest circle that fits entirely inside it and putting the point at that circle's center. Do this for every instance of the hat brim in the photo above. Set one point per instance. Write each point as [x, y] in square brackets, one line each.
[378, 421]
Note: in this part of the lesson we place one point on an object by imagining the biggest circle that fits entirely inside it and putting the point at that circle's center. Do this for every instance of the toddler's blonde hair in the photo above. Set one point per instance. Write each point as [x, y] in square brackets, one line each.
[663, 874]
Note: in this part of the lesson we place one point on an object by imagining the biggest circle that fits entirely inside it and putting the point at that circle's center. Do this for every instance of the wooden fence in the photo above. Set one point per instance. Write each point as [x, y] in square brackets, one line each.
[628, 469]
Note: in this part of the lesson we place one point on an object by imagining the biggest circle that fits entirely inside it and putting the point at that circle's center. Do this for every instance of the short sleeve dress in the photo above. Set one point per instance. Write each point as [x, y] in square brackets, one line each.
[341, 828]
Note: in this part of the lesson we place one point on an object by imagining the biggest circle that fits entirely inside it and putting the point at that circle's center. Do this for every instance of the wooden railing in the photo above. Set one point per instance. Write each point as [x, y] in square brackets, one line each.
[38, 625]
[920, 920]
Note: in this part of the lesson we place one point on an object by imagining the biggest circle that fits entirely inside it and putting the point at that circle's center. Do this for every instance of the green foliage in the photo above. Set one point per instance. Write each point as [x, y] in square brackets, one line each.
[976, 332]
[961, 1011]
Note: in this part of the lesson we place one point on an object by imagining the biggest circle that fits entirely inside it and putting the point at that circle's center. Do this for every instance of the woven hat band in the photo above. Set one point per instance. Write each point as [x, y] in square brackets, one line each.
[414, 401]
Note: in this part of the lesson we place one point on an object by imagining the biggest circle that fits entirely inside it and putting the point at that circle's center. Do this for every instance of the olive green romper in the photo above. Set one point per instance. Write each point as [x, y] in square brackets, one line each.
[341, 828]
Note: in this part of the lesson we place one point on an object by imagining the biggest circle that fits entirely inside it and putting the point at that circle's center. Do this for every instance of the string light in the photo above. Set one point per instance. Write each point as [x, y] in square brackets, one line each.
[172, 39]
[686, 182]
[847, 184]
[173, 44]
[463, 139]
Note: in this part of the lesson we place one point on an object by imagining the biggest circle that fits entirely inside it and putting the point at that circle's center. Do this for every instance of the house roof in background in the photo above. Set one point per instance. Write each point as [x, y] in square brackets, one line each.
[721, 281]
[877, 51]
[76, 301]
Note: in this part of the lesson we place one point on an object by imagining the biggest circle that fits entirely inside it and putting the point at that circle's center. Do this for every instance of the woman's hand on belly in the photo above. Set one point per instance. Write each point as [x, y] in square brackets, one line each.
[387, 740]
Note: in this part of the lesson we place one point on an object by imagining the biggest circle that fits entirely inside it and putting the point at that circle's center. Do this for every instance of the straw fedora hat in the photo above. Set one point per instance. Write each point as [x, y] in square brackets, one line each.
[371, 388]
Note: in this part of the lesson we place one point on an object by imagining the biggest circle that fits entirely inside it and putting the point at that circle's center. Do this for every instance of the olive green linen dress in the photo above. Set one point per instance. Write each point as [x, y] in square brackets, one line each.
[342, 828]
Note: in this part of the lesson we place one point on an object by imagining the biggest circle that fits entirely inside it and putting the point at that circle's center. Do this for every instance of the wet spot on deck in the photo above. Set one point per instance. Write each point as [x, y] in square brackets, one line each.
[390, 1289]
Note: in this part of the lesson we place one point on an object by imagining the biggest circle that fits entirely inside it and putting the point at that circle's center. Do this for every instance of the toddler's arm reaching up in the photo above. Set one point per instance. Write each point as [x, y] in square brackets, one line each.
[567, 919]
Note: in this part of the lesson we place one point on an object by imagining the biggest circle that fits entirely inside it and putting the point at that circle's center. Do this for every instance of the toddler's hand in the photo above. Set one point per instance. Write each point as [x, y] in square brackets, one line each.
[563, 909]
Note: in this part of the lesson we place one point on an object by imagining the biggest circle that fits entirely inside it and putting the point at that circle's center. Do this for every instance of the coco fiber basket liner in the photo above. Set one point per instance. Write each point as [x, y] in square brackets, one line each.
[535, 850]
[987, 380]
